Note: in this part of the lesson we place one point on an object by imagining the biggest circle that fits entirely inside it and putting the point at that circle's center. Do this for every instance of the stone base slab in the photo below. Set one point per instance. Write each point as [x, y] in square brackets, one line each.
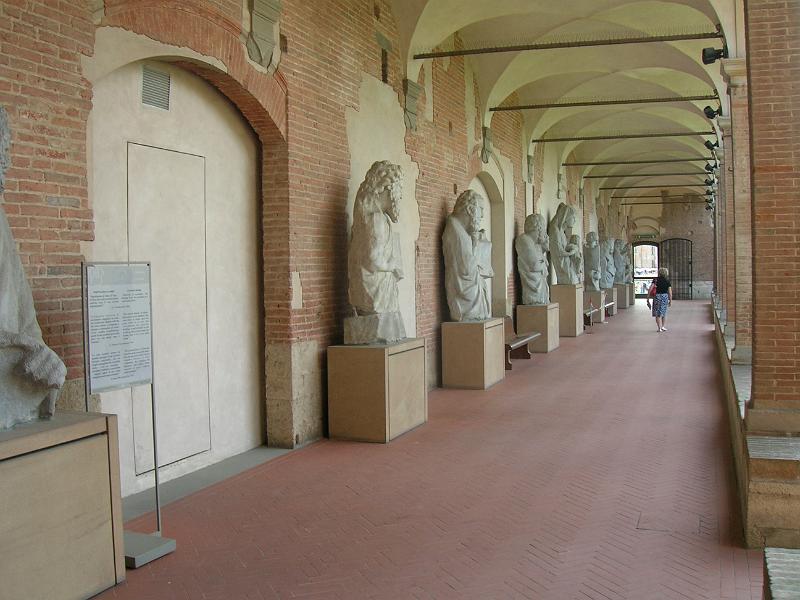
[569, 297]
[61, 517]
[631, 294]
[376, 392]
[542, 318]
[382, 328]
[623, 295]
[473, 354]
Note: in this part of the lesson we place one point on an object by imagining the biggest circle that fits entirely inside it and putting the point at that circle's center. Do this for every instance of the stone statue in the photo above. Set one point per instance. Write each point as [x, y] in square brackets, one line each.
[591, 261]
[534, 270]
[577, 258]
[627, 254]
[374, 260]
[561, 251]
[607, 264]
[467, 260]
[31, 374]
[619, 261]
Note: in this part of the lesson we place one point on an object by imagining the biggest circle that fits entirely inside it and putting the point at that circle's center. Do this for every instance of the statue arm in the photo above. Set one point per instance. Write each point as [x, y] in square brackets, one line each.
[38, 361]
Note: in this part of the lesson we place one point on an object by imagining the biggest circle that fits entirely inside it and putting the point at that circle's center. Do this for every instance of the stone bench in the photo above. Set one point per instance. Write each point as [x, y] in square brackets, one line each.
[588, 316]
[517, 345]
[781, 574]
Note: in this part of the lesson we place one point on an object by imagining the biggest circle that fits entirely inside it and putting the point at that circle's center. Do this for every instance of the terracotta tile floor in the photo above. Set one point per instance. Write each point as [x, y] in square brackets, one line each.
[599, 471]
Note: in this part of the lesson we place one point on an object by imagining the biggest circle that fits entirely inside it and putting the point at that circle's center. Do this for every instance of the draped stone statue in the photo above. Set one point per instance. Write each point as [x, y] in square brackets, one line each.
[619, 261]
[561, 250]
[628, 255]
[31, 374]
[607, 269]
[467, 260]
[532, 263]
[576, 258]
[591, 261]
[374, 261]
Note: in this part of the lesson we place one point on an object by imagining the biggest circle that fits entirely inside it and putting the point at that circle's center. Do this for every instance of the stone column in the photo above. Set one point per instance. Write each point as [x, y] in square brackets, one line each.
[775, 157]
[721, 230]
[734, 70]
[726, 173]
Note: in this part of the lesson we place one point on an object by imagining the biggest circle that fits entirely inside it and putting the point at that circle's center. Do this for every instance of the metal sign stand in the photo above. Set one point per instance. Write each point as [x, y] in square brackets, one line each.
[140, 548]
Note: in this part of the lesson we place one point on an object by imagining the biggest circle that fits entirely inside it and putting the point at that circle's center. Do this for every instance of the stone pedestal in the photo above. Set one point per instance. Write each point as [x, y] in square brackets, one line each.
[631, 294]
[542, 318]
[472, 354]
[611, 296]
[61, 517]
[569, 297]
[597, 300]
[623, 295]
[376, 392]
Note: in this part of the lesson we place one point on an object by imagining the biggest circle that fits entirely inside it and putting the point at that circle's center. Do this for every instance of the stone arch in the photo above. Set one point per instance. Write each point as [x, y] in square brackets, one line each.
[210, 48]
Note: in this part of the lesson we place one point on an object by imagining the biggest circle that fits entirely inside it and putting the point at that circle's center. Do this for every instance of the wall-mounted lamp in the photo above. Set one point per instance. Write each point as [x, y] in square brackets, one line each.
[711, 145]
[712, 168]
[710, 182]
[711, 113]
[711, 55]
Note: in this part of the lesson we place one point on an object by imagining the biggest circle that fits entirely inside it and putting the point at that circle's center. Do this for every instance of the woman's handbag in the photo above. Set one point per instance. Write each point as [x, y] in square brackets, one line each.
[651, 291]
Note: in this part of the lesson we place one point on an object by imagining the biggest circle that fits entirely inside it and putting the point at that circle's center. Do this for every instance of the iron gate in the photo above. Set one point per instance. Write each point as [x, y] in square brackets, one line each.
[676, 255]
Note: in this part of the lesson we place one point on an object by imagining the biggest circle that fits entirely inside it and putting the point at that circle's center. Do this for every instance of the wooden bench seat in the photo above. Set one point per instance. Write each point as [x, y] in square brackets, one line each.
[517, 345]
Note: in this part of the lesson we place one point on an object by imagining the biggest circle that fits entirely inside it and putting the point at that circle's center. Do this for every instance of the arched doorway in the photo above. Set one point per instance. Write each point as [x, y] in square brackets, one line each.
[645, 266]
[174, 180]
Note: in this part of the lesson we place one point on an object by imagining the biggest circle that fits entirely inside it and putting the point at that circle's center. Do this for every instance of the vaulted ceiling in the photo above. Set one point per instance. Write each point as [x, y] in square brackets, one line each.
[575, 71]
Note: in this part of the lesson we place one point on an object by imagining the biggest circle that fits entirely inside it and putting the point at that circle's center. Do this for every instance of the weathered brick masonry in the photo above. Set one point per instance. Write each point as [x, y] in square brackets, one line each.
[299, 115]
[774, 85]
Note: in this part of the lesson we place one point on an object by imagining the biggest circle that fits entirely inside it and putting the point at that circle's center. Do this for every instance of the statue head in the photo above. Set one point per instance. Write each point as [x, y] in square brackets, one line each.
[381, 190]
[565, 216]
[469, 209]
[619, 246]
[536, 227]
[575, 239]
[591, 239]
[5, 146]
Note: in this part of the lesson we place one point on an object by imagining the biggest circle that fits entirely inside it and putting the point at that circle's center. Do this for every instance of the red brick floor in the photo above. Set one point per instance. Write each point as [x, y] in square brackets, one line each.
[599, 471]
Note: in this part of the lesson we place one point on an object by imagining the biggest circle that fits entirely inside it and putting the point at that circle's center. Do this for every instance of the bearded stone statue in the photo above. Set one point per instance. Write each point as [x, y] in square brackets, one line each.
[31, 374]
[591, 261]
[374, 260]
[627, 255]
[532, 261]
[467, 260]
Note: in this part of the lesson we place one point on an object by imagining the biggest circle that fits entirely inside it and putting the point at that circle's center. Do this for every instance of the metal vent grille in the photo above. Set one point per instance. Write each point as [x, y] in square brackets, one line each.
[155, 88]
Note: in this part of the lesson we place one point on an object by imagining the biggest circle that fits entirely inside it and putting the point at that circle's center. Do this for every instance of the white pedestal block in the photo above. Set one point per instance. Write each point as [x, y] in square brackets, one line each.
[631, 294]
[61, 517]
[611, 296]
[542, 318]
[472, 354]
[623, 295]
[569, 297]
[376, 392]
[597, 300]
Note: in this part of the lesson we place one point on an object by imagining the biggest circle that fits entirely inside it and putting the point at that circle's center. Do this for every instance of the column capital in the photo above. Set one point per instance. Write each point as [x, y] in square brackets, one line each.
[734, 71]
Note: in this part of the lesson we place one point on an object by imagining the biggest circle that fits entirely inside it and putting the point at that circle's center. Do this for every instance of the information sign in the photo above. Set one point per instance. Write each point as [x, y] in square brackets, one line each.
[117, 305]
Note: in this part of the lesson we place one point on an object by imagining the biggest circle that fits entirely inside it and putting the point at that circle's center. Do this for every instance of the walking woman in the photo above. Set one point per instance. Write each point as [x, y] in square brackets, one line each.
[662, 298]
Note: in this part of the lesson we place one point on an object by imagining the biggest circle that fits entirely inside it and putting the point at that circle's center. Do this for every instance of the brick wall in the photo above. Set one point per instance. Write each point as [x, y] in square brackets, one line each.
[773, 28]
[48, 103]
